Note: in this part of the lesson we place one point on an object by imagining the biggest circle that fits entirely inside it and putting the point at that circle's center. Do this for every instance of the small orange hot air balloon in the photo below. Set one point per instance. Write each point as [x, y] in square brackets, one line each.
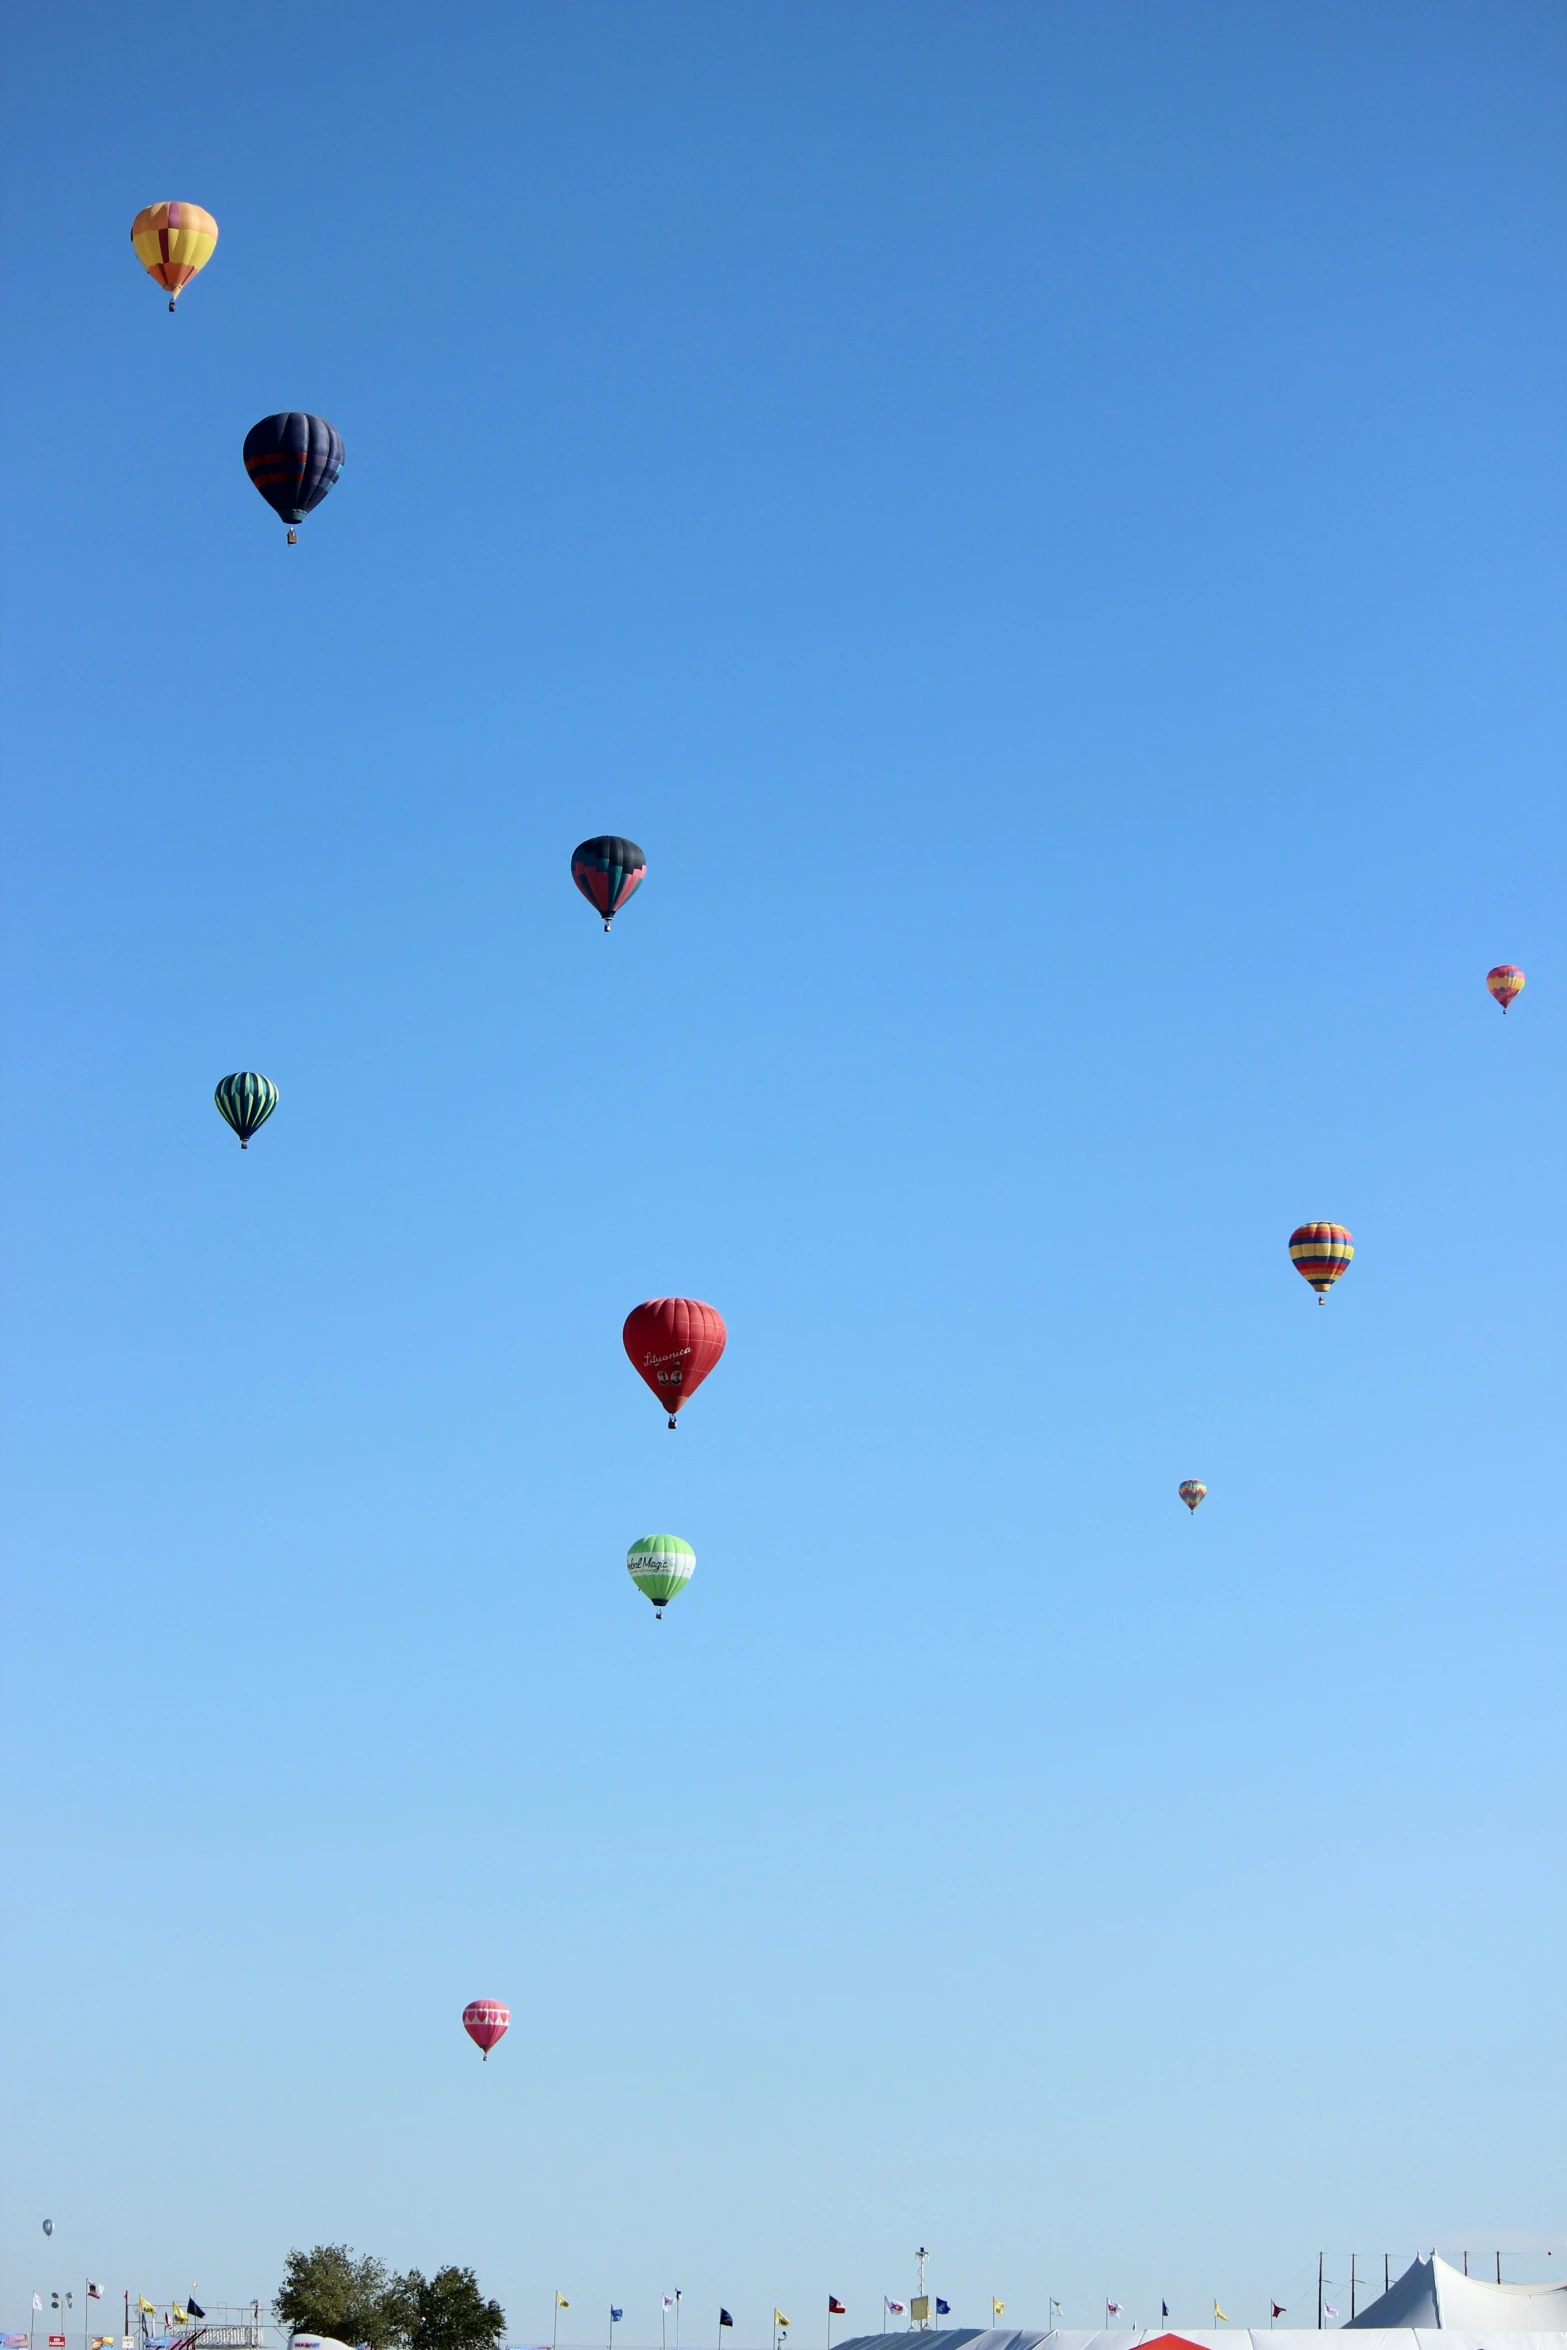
[172, 242]
[1320, 1253]
[1504, 982]
[1192, 1491]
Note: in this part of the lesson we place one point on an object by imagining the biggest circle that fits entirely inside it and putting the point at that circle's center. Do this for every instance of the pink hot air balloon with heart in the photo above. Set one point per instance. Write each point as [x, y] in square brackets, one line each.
[485, 2021]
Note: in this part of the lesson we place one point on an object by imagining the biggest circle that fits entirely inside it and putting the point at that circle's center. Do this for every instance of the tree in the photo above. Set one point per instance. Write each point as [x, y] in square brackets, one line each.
[328, 2291]
[448, 2312]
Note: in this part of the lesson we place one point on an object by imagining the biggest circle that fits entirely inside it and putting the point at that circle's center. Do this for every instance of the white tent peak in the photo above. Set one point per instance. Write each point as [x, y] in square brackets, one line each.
[1433, 2293]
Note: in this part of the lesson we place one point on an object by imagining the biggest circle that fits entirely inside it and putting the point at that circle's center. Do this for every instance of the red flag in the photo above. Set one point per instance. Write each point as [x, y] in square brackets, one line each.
[1277, 2308]
[835, 2307]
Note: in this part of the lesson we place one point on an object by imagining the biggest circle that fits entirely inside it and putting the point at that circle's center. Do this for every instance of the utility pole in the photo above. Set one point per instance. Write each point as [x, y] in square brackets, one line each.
[1319, 2292]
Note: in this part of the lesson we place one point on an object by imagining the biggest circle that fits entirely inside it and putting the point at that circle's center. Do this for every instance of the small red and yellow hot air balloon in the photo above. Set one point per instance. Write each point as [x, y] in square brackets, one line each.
[485, 2021]
[1193, 1492]
[1320, 1253]
[172, 242]
[1505, 981]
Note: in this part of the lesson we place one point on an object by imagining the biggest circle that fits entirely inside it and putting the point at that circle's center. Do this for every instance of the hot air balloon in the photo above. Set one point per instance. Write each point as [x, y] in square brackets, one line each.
[172, 242]
[1320, 1253]
[1193, 1492]
[1504, 982]
[293, 459]
[485, 2021]
[48, 2227]
[247, 1100]
[661, 1565]
[607, 870]
[673, 1343]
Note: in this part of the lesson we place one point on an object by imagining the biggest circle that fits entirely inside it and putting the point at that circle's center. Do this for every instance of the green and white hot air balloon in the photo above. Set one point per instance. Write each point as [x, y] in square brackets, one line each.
[660, 1565]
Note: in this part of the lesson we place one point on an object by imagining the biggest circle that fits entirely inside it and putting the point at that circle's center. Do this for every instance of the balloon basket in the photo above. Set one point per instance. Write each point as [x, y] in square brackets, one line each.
[671, 1419]
[293, 538]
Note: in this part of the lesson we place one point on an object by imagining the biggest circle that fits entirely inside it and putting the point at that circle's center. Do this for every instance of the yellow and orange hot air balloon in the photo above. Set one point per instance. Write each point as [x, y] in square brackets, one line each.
[1504, 982]
[172, 242]
[1320, 1253]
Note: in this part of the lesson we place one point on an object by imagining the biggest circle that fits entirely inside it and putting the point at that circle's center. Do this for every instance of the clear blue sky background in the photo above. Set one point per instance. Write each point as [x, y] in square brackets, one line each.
[1046, 523]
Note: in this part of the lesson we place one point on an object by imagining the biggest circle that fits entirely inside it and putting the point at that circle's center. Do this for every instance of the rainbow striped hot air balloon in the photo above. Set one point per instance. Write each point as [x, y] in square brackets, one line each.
[1320, 1254]
[172, 242]
[1505, 981]
[660, 1566]
[1193, 1492]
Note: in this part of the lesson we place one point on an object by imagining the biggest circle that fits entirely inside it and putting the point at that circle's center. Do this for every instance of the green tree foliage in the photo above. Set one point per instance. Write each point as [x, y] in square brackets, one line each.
[448, 2312]
[329, 2291]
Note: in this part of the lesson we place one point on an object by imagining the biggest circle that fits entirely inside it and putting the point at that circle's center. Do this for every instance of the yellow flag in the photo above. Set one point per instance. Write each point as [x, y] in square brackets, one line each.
[779, 2318]
[146, 2306]
[561, 2302]
[1219, 2314]
[996, 2308]
[179, 2315]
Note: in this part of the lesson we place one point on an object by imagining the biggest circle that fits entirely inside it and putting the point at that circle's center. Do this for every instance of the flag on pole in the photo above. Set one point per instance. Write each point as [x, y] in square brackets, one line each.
[145, 2307]
[1112, 2309]
[195, 2309]
[1164, 2309]
[1328, 2309]
[835, 2307]
[615, 2315]
[895, 2306]
[1219, 2314]
[996, 2307]
[1277, 2308]
[779, 2318]
[943, 2308]
[562, 2303]
[37, 2304]
[180, 2316]
[724, 2318]
[95, 2293]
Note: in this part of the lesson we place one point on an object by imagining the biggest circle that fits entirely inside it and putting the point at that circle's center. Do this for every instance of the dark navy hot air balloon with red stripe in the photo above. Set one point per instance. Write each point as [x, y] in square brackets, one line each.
[607, 870]
[673, 1343]
[293, 459]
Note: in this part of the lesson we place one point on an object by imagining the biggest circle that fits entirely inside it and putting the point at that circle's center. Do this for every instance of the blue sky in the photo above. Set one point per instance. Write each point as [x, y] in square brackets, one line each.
[1045, 522]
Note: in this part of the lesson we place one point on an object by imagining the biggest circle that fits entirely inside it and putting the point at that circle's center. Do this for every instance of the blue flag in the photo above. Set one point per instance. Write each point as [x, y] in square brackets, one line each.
[615, 2315]
[943, 2308]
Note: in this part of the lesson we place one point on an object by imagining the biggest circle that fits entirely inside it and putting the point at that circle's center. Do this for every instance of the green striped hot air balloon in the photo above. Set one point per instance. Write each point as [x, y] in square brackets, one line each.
[660, 1565]
[247, 1100]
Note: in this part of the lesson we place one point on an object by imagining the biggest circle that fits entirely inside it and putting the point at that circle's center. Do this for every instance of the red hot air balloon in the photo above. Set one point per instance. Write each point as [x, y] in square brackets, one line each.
[1504, 982]
[673, 1343]
[485, 2021]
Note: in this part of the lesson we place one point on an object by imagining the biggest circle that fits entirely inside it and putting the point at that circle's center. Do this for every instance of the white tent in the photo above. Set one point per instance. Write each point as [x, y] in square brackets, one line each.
[1431, 2293]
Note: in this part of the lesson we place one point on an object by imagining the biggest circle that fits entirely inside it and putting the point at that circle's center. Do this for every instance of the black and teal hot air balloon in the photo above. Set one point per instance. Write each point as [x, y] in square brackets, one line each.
[660, 1566]
[293, 459]
[607, 870]
[247, 1100]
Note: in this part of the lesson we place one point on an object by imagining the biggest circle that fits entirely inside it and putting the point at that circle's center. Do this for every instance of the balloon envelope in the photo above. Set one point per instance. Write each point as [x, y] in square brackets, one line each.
[172, 242]
[485, 2021]
[673, 1342]
[660, 1565]
[1192, 1491]
[247, 1100]
[1320, 1253]
[1505, 981]
[293, 459]
[607, 870]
